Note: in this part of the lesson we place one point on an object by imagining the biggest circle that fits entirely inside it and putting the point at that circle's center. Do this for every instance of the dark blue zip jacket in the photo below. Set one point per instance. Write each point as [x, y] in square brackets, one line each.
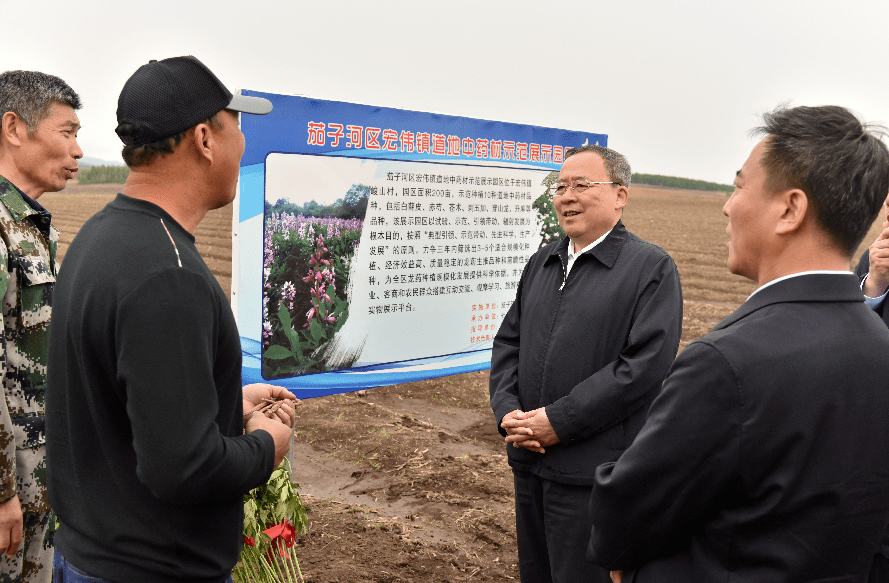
[593, 349]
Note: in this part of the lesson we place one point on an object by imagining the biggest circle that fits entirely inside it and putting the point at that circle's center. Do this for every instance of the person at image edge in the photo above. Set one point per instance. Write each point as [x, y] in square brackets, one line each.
[764, 458]
[38, 153]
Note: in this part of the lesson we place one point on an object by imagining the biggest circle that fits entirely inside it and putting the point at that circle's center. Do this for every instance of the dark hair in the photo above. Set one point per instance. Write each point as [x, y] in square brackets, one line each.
[145, 154]
[617, 165]
[30, 95]
[841, 164]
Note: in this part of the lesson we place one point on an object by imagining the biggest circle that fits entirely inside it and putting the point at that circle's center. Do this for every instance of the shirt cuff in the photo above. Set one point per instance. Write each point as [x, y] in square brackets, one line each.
[873, 303]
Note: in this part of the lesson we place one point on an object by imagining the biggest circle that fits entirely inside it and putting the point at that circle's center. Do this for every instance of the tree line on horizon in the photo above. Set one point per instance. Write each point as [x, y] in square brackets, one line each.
[683, 183]
[104, 175]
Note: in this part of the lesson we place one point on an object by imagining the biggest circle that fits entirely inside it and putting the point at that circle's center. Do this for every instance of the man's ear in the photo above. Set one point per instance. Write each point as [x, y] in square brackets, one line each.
[793, 208]
[12, 127]
[203, 142]
[622, 195]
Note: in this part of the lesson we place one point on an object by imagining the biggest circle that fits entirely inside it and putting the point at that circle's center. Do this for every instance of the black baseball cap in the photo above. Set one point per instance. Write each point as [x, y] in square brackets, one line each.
[165, 98]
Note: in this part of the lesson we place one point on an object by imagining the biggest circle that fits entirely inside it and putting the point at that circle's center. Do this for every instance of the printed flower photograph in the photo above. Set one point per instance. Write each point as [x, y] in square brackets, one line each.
[308, 251]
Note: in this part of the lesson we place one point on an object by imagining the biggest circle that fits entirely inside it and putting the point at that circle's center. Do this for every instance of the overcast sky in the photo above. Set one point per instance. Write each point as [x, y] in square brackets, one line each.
[675, 84]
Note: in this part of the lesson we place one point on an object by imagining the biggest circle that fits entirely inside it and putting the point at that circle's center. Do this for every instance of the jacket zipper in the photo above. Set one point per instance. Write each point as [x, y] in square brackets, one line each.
[550, 336]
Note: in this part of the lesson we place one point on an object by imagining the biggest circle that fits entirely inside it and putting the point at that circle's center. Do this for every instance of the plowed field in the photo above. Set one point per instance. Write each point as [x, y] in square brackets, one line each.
[410, 482]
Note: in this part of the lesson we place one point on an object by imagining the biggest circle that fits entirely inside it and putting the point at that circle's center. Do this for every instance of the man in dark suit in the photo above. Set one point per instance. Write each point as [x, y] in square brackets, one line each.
[766, 456]
[873, 269]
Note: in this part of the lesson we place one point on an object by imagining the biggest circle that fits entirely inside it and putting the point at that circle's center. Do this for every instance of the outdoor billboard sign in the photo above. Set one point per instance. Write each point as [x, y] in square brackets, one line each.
[422, 225]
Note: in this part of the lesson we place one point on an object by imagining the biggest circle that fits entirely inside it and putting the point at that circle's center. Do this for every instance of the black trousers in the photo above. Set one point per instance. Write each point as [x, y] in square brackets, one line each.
[553, 527]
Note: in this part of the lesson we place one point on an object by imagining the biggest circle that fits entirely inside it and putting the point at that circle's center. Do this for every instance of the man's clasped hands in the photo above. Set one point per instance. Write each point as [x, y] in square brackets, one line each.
[532, 430]
[529, 429]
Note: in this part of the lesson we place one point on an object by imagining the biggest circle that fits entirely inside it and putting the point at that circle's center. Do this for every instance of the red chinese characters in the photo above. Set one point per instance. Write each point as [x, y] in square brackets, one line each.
[453, 145]
[423, 143]
[439, 143]
[316, 134]
[355, 136]
[546, 153]
[390, 140]
[481, 148]
[508, 150]
[407, 141]
[372, 138]
[483, 327]
[521, 151]
[334, 135]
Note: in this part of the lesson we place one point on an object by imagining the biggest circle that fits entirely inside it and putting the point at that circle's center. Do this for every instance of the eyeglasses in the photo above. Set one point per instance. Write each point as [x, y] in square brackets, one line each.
[578, 187]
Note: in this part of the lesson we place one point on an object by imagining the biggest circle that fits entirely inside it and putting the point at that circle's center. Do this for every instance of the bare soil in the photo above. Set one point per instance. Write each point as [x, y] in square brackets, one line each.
[409, 483]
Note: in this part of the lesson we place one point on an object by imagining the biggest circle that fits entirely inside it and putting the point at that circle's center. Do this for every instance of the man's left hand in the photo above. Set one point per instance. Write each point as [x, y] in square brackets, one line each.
[538, 422]
[255, 393]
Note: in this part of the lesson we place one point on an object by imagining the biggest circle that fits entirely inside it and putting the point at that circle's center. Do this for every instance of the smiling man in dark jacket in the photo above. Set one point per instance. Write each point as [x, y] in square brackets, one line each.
[578, 359]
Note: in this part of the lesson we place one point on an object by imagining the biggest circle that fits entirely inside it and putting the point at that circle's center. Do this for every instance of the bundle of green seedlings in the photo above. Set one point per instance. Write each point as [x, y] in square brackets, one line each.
[274, 515]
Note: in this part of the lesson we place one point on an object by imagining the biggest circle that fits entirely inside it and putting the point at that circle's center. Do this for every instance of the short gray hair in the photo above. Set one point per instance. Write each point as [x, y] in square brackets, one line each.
[616, 164]
[30, 95]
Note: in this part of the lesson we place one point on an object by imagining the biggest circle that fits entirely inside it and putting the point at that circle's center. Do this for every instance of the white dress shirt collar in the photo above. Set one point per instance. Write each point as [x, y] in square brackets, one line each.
[573, 256]
[774, 281]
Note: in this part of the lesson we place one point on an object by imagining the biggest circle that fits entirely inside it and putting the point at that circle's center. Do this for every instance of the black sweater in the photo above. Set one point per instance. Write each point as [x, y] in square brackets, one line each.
[147, 464]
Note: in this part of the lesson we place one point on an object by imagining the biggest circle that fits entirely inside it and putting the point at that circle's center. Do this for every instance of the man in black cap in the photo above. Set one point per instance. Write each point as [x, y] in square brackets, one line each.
[146, 446]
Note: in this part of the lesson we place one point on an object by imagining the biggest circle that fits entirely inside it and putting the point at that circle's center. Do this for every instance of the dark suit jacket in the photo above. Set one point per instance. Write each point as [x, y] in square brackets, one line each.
[861, 270]
[766, 456]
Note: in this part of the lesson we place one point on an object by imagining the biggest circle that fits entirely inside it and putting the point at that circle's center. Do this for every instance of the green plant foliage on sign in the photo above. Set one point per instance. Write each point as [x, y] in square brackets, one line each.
[550, 230]
[306, 267]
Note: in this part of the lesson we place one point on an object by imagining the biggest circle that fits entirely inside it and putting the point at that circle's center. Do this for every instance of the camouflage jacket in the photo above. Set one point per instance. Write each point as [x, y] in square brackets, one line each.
[28, 270]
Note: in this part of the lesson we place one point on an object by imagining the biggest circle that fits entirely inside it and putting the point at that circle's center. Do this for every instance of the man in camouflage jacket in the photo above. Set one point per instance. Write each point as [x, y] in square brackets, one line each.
[38, 153]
